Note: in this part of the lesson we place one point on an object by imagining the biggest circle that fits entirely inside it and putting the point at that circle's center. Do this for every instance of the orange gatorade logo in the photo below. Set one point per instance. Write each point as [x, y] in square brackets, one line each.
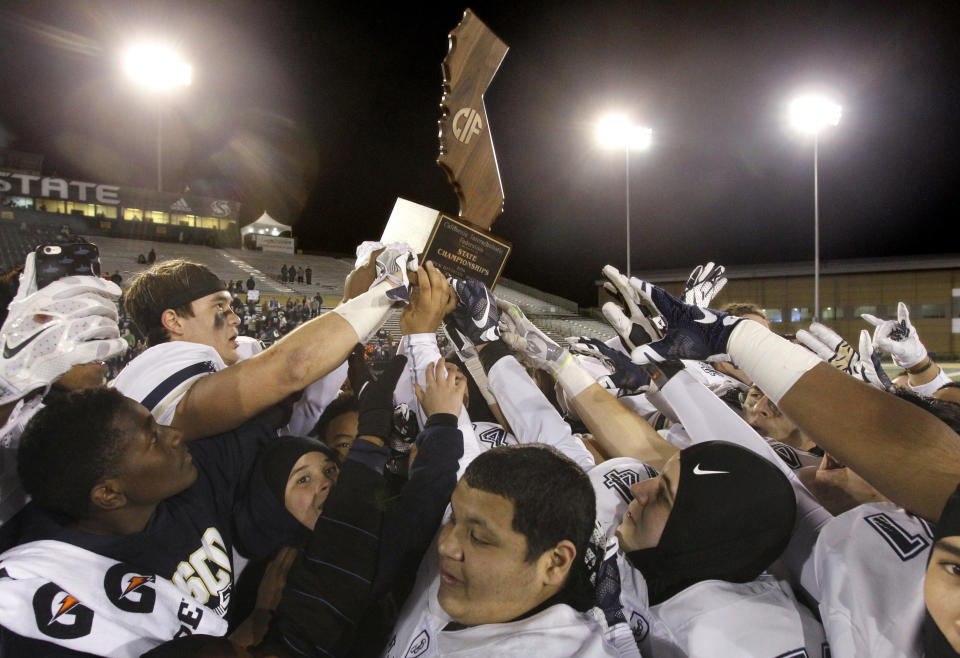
[59, 614]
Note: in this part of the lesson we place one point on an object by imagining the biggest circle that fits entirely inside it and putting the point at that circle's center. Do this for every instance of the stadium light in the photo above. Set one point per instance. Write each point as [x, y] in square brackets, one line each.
[158, 69]
[809, 114]
[615, 131]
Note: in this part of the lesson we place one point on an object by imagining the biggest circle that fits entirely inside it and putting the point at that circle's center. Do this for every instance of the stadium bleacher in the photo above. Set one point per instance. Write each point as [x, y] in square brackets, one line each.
[121, 254]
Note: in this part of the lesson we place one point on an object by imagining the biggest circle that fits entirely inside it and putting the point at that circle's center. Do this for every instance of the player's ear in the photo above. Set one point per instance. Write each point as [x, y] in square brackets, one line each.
[171, 322]
[557, 562]
[107, 495]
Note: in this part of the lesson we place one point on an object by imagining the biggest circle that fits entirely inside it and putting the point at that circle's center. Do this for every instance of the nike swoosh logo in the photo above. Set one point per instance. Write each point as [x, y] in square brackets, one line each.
[9, 353]
[486, 314]
[699, 471]
[708, 316]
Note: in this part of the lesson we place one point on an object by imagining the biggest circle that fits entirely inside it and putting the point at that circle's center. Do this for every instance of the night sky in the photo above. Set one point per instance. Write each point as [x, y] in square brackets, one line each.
[323, 113]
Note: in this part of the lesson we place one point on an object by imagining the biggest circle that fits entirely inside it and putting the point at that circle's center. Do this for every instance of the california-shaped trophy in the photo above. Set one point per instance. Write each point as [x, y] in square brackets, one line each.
[462, 246]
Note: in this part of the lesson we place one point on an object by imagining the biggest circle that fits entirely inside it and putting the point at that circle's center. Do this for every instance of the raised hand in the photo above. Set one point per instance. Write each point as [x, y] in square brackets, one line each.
[692, 332]
[625, 376]
[630, 317]
[898, 337]
[705, 283]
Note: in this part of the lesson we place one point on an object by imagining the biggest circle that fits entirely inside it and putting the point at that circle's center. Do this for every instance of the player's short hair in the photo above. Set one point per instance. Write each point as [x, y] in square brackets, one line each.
[69, 446]
[743, 308]
[340, 406]
[552, 497]
[172, 284]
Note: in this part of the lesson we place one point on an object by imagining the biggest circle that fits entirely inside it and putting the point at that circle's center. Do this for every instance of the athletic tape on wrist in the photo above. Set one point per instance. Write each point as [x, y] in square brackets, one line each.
[572, 377]
[366, 313]
[773, 363]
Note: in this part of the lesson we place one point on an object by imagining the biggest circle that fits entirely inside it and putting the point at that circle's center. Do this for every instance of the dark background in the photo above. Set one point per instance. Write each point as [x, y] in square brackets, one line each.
[323, 113]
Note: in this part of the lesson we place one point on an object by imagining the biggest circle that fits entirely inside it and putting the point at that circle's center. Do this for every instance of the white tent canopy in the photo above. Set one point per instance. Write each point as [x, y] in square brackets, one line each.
[266, 225]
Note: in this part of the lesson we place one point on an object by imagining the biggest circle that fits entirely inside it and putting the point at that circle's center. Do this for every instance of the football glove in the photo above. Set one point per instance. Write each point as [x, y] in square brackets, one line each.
[705, 283]
[524, 338]
[898, 337]
[625, 378]
[630, 317]
[692, 332]
[392, 265]
[476, 316]
[66, 323]
[830, 347]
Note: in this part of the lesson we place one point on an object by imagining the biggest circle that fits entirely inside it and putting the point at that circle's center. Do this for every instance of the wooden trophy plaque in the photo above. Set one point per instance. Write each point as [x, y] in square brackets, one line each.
[462, 246]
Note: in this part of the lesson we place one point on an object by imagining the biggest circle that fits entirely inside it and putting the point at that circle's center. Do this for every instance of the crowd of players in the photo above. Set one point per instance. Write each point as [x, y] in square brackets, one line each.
[697, 486]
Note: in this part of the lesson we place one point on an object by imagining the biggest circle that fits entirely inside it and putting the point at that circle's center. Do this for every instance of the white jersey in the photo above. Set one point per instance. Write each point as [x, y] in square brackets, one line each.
[557, 631]
[715, 618]
[869, 564]
[162, 375]
[712, 618]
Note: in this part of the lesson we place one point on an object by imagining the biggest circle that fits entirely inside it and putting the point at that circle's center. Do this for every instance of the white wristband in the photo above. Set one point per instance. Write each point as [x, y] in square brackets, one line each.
[933, 385]
[572, 377]
[366, 313]
[773, 363]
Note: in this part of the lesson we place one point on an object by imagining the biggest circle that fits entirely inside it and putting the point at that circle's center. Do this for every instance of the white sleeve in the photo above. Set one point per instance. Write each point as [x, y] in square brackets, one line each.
[705, 417]
[162, 375]
[314, 400]
[531, 416]
[422, 350]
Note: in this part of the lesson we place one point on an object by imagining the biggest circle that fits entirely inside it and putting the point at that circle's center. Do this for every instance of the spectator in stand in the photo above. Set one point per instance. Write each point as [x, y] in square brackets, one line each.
[152, 256]
[251, 284]
[116, 278]
[283, 273]
[309, 274]
[129, 337]
[300, 274]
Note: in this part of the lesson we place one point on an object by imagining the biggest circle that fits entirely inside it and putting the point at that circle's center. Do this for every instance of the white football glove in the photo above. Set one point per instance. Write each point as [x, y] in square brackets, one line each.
[392, 265]
[705, 283]
[898, 337]
[69, 322]
[631, 316]
[524, 338]
[829, 346]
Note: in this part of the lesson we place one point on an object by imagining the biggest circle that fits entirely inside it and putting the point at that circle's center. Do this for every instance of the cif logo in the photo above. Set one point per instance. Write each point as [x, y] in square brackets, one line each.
[466, 124]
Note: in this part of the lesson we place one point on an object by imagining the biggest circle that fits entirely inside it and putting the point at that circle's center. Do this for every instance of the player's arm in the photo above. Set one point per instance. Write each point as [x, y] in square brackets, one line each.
[619, 431]
[225, 399]
[908, 454]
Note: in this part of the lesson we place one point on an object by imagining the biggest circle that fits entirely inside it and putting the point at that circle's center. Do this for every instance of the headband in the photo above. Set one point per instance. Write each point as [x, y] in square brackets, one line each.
[205, 283]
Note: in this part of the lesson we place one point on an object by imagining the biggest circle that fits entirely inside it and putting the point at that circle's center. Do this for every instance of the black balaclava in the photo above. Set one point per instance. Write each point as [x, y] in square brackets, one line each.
[732, 517]
[935, 644]
[280, 456]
